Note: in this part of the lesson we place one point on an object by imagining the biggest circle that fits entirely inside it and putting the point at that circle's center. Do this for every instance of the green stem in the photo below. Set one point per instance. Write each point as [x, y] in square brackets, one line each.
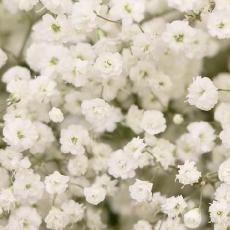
[109, 20]
[225, 90]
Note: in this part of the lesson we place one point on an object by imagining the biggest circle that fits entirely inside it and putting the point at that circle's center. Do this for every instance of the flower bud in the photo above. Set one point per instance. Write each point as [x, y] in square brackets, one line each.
[192, 218]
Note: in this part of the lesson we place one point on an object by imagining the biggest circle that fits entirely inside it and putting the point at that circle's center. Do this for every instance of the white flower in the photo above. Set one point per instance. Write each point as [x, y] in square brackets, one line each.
[56, 183]
[133, 118]
[178, 119]
[224, 171]
[109, 65]
[141, 191]
[45, 138]
[222, 114]
[153, 122]
[135, 147]
[142, 225]
[219, 211]
[78, 165]
[56, 219]
[178, 35]
[52, 29]
[223, 193]
[128, 10]
[219, 24]
[101, 115]
[188, 173]
[224, 136]
[73, 210]
[84, 16]
[20, 134]
[27, 187]
[24, 216]
[164, 153]
[7, 199]
[193, 218]
[94, 194]
[121, 164]
[3, 58]
[58, 6]
[16, 73]
[203, 135]
[56, 115]
[76, 71]
[43, 88]
[202, 93]
[185, 6]
[174, 206]
[10, 159]
[73, 139]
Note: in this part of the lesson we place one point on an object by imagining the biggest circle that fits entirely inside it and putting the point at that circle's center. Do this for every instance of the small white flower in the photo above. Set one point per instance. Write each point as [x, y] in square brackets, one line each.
[127, 10]
[141, 191]
[73, 210]
[178, 35]
[56, 219]
[78, 165]
[121, 164]
[101, 115]
[142, 225]
[20, 134]
[174, 206]
[224, 136]
[219, 24]
[24, 216]
[188, 173]
[219, 211]
[94, 194]
[202, 93]
[109, 65]
[73, 139]
[193, 218]
[224, 171]
[56, 183]
[153, 122]
[3, 58]
[27, 187]
[56, 115]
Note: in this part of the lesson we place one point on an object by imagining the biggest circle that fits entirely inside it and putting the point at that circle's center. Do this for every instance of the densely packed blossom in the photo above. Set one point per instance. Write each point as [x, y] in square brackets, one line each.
[115, 114]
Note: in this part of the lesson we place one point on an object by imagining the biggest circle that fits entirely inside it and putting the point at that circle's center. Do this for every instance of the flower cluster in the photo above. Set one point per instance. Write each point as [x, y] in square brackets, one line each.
[115, 114]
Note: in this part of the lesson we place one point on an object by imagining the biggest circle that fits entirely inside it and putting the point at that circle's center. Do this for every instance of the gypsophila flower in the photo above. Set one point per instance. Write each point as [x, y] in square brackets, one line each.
[219, 211]
[56, 219]
[224, 171]
[56, 183]
[142, 225]
[3, 58]
[141, 190]
[20, 134]
[188, 173]
[153, 122]
[94, 194]
[174, 206]
[202, 93]
[56, 115]
[193, 218]
[73, 139]
[101, 115]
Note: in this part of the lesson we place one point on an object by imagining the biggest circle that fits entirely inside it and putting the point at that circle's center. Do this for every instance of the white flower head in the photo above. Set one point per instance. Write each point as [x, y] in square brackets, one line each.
[141, 191]
[94, 194]
[202, 93]
[56, 183]
[188, 173]
[153, 122]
